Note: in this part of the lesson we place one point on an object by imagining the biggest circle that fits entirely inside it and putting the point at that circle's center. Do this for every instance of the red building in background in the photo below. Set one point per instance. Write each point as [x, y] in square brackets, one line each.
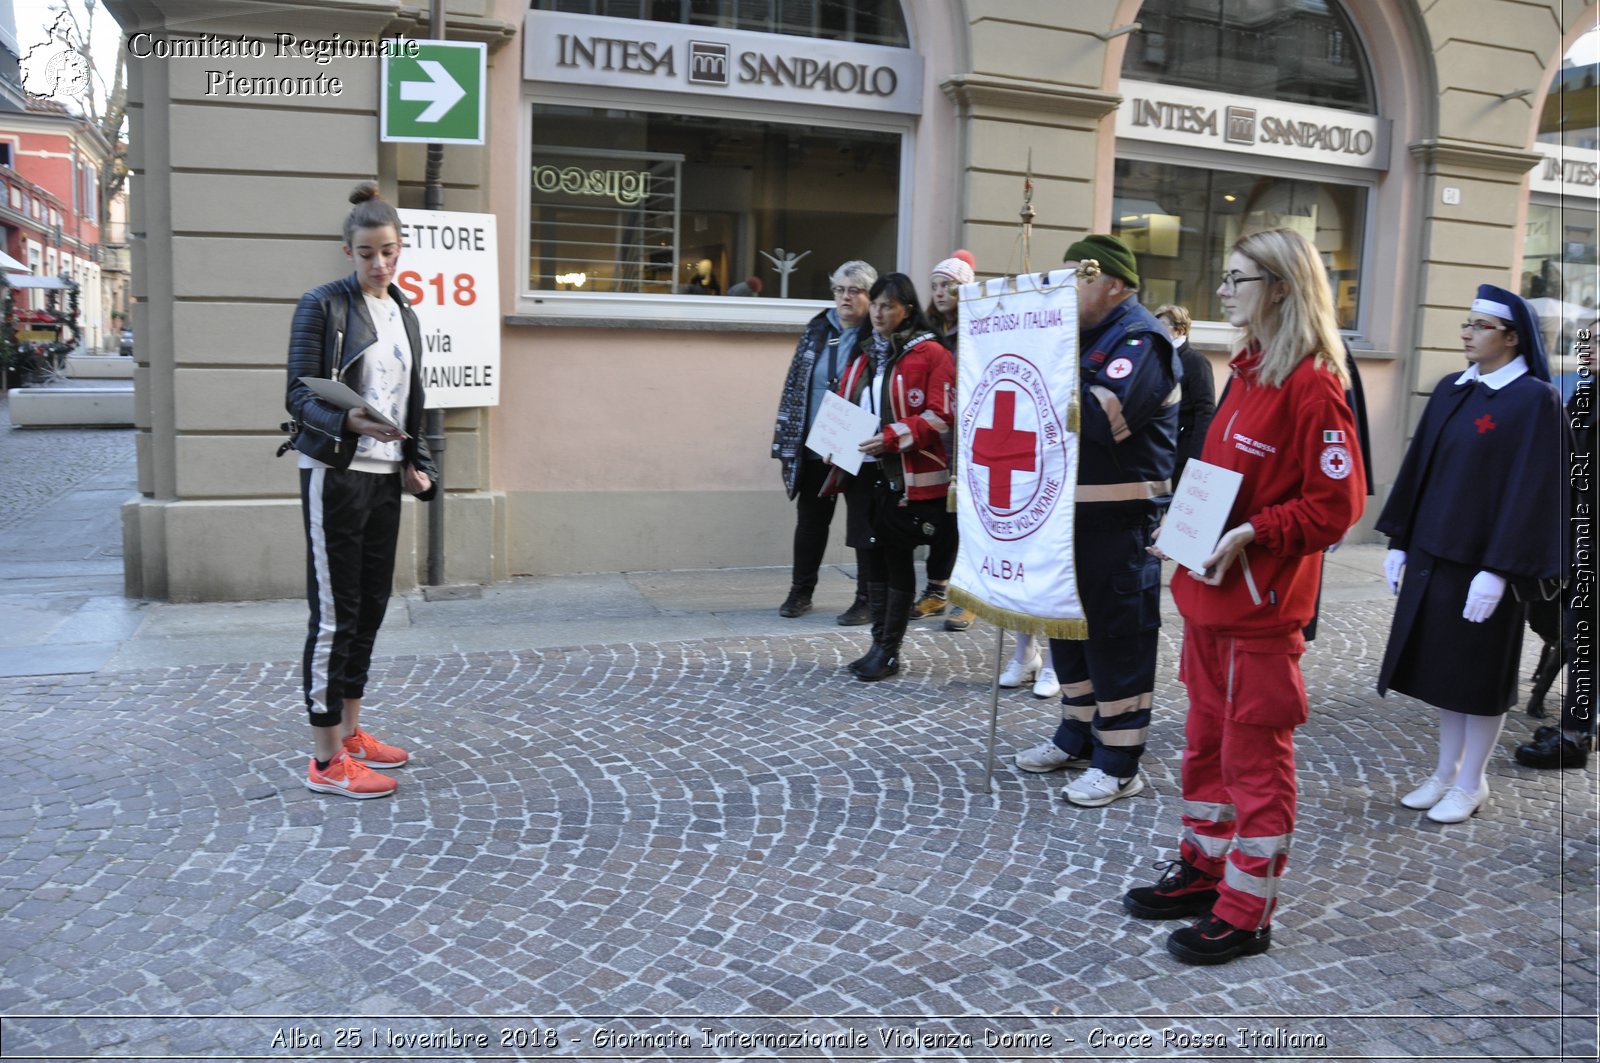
[51, 216]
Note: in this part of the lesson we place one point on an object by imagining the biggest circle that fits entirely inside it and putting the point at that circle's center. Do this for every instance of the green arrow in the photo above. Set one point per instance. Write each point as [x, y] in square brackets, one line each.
[441, 91]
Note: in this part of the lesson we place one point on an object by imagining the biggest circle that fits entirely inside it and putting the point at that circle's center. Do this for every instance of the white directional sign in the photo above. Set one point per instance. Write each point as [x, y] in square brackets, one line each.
[450, 272]
[435, 93]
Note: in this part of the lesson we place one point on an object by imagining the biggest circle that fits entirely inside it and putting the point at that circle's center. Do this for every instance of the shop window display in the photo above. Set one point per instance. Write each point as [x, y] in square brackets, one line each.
[673, 204]
[1180, 221]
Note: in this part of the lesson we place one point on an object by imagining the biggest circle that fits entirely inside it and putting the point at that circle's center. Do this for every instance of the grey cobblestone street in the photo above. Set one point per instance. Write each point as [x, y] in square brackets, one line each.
[685, 817]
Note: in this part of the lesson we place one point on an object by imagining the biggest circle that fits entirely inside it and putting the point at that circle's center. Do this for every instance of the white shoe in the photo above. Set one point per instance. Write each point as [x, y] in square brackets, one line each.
[1427, 795]
[1047, 756]
[1019, 672]
[1045, 686]
[1458, 806]
[1095, 788]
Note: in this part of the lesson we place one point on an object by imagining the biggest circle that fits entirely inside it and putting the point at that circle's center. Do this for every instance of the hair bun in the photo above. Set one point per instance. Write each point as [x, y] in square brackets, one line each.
[364, 191]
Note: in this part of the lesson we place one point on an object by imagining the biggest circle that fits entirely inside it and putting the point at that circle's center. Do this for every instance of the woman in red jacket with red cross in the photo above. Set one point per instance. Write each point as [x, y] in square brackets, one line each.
[902, 374]
[1285, 426]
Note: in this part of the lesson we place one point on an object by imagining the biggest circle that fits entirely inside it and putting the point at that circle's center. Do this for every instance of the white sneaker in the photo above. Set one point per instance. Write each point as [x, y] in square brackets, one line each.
[1427, 795]
[1457, 806]
[1047, 756]
[1046, 686]
[1019, 672]
[1095, 788]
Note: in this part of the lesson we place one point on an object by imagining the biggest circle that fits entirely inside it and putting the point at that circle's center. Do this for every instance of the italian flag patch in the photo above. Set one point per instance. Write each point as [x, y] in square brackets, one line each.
[1332, 436]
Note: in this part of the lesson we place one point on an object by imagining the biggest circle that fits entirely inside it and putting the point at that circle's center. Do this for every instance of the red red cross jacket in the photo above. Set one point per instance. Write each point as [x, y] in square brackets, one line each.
[914, 409]
[1302, 490]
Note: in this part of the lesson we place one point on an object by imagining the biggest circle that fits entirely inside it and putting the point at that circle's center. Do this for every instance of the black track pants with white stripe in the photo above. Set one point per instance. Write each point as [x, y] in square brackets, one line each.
[352, 523]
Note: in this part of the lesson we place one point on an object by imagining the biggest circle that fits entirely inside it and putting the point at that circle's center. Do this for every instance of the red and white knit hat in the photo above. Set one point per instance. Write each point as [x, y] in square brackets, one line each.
[959, 267]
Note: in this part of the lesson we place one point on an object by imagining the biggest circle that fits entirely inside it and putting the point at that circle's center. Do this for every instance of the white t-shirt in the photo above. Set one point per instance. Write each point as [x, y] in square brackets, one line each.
[385, 384]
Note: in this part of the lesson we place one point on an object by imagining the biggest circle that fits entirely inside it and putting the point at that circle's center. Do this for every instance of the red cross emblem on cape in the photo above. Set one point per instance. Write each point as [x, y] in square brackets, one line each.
[1485, 424]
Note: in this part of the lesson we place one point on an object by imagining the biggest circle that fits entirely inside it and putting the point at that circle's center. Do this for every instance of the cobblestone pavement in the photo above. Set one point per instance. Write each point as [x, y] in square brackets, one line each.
[613, 845]
[42, 464]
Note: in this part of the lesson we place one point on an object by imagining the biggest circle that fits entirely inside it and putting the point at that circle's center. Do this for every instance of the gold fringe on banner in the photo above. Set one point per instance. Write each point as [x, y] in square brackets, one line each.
[1072, 417]
[1076, 630]
[950, 500]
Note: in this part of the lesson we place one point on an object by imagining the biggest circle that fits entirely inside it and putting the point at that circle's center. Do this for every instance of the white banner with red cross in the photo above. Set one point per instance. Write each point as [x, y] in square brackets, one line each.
[1016, 435]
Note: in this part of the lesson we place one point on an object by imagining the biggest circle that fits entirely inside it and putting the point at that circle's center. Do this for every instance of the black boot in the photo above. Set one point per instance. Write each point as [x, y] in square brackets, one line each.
[798, 603]
[877, 595]
[884, 660]
[1555, 749]
[860, 612]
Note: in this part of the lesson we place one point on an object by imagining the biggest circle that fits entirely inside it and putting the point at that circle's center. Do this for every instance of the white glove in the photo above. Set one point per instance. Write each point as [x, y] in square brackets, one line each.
[1483, 596]
[1393, 562]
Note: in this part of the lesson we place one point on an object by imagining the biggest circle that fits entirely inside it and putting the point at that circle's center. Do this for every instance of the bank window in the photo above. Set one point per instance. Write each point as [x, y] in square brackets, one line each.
[674, 204]
[1295, 51]
[860, 21]
[1181, 220]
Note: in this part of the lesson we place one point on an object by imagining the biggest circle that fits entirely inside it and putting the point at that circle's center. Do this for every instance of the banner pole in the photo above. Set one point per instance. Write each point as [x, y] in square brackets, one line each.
[994, 704]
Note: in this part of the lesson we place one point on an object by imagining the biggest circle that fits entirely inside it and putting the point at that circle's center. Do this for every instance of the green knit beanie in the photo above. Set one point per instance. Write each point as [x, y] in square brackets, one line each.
[1113, 256]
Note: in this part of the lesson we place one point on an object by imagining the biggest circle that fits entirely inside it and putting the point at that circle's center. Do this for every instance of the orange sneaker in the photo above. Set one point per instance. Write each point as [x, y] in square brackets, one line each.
[373, 753]
[349, 777]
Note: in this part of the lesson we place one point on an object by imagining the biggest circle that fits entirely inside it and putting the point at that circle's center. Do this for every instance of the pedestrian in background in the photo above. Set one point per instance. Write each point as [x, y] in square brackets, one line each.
[944, 314]
[1128, 391]
[1475, 512]
[353, 467]
[825, 348]
[1285, 427]
[903, 374]
[1199, 400]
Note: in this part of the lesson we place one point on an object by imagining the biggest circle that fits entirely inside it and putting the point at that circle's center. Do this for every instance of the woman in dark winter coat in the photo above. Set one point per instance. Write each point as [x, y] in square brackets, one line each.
[1474, 531]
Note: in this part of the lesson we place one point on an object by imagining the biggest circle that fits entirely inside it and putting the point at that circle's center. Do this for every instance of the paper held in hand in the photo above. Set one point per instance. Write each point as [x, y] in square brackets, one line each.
[1199, 513]
[345, 397]
[837, 432]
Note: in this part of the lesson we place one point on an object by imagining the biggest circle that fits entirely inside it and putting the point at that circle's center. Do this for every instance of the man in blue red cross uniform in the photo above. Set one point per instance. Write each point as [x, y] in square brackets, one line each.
[1129, 376]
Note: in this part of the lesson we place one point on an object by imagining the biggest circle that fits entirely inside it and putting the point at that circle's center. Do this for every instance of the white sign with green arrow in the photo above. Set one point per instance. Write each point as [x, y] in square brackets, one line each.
[436, 94]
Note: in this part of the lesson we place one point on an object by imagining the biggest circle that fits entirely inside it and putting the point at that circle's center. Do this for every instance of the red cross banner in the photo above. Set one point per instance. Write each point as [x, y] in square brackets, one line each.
[1016, 435]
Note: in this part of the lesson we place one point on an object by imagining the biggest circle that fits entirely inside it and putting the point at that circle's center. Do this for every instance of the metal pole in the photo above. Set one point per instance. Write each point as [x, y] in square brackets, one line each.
[433, 432]
[994, 705]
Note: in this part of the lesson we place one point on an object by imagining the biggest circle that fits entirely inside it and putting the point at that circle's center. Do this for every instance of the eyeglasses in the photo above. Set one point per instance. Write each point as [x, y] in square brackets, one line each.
[851, 292]
[1483, 326]
[1231, 281]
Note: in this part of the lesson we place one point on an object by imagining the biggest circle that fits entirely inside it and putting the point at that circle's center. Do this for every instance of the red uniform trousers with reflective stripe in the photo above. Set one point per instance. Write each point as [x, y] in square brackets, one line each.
[1246, 697]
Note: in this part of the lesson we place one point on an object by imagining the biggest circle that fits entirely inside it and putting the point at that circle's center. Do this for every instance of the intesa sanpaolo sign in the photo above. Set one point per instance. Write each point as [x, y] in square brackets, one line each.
[1251, 125]
[568, 50]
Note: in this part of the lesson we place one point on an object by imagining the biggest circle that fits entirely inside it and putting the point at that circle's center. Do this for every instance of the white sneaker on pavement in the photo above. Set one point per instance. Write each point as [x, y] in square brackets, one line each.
[1047, 756]
[1018, 672]
[1095, 788]
[1045, 685]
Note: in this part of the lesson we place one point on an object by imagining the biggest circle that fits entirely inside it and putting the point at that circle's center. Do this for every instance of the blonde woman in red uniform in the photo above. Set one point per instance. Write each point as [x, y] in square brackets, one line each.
[1285, 426]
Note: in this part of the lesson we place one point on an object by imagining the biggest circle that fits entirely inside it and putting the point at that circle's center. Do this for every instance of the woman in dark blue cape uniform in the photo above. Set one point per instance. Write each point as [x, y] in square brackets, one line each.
[1474, 523]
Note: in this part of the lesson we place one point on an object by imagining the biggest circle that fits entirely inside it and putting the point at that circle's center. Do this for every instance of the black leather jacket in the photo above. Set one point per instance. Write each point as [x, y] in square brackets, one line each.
[331, 328]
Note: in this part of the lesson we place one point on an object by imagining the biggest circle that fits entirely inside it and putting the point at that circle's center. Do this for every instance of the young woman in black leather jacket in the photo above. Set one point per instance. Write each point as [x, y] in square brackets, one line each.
[353, 468]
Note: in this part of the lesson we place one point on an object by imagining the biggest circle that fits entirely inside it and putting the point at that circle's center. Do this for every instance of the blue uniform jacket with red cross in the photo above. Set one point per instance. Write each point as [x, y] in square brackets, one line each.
[1128, 435]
